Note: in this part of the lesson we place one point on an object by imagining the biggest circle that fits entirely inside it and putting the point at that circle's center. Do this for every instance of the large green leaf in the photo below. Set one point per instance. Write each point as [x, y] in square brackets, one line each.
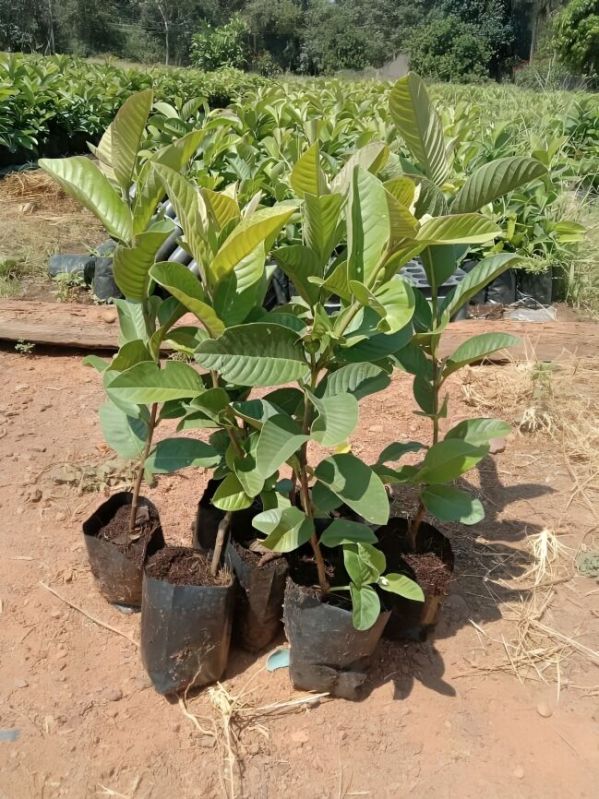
[146, 383]
[242, 289]
[395, 451]
[82, 179]
[359, 379]
[255, 355]
[131, 265]
[253, 230]
[344, 531]
[483, 273]
[493, 180]
[366, 606]
[185, 286]
[447, 460]
[321, 224]
[419, 125]
[299, 264]
[127, 133]
[286, 528]
[129, 354]
[363, 562]
[368, 226]
[150, 188]
[279, 439]
[173, 454]
[337, 419]
[230, 496]
[356, 485]
[477, 348]
[307, 176]
[401, 585]
[376, 347]
[190, 209]
[395, 299]
[479, 431]
[458, 229]
[124, 434]
[452, 505]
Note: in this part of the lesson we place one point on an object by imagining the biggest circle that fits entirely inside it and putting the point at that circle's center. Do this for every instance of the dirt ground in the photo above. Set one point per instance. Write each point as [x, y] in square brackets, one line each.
[502, 702]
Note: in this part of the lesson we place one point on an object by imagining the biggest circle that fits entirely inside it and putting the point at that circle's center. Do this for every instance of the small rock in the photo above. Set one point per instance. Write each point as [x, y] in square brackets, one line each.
[544, 710]
[109, 317]
[35, 495]
[518, 773]
[20, 683]
[110, 695]
[61, 653]
[376, 428]
[60, 516]
[56, 614]
[497, 445]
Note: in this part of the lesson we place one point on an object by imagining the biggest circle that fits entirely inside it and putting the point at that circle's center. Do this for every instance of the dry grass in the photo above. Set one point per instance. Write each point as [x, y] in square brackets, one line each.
[38, 220]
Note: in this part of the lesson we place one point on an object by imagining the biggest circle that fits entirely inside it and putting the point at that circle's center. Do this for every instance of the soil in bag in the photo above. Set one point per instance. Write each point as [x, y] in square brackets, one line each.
[117, 556]
[327, 652]
[186, 620]
[262, 577]
[430, 565]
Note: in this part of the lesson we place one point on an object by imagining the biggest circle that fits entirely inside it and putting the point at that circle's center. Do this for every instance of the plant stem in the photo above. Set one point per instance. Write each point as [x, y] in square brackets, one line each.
[414, 526]
[221, 538]
[140, 471]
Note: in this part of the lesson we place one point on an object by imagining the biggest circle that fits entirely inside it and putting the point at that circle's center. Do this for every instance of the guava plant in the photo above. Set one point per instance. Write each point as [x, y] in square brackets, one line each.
[465, 444]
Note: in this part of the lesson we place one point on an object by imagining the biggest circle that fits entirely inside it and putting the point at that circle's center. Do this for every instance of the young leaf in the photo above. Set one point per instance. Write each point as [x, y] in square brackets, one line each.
[183, 285]
[321, 224]
[99, 364]
[364, 563]
[307, 176]
[131, 265]
[146, 383]
[366, 607]
[299, 264]
[173, 454]
[279, 439]
[286, 528]
[368, 227]
[336, 420]
[82, 179]
[255, 355]
[484, 273]
[394, 452]
[447, 460]
[127, 131]
[401, 585]
[459, 229]
[419, 125]
[356, 485]
[372, 158]
[479, 431]
[477, 348]
[124, 434]
[343, 531]
[493, 180]
[230, 496]
[452, 505]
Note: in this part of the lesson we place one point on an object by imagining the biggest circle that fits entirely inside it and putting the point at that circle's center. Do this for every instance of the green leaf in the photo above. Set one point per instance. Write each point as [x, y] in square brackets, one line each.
[252, 231]
[307, 176]
[324, 500]
[479, 431]
[173, 454]
[279, 439]
[190, 209]
[447, 460]
[222, 208]
[125, 435]
[99, 364]
[183, 285]
[132, 264]
[230, 496]
[424, 394]
[356, 485]
[395, 451]
[368, 226]
[401, 585]
[452, 505]
[419, 125]
[300, 263]
[402, 188]
[477, 348]
[127, 131]
[247, 474]
[146, 383]
[484, 273]
[82, 179]
[336, 421]
[363, 562]
[371, 158]
[321, 224]
[286, 528]
[359, 379]
[459, 229]
[343, 531]
[255, 355]
[493, 180]
[396, 299]
[131, 353]
[366, 607]
[376, 347]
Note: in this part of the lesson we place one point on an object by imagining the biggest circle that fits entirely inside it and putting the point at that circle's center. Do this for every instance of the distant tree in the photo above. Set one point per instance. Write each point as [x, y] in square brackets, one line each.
[577, 36]
[219, 46]
[275, 27]
[333, 39]
[87, 26]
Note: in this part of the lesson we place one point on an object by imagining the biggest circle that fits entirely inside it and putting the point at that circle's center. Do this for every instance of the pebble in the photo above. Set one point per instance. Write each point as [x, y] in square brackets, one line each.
[497, 445]
[60, 516]
[544, 710]
[109, 317]
[20, 683]
[376, 428]
[110, 695]
[518, 773]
